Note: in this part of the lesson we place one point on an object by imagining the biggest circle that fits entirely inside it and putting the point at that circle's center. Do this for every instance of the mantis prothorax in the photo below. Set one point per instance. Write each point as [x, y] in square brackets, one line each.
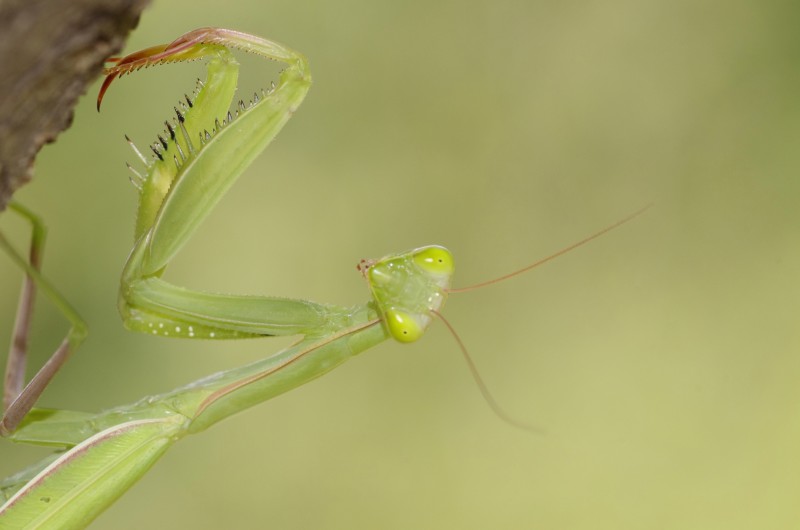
[203, 151]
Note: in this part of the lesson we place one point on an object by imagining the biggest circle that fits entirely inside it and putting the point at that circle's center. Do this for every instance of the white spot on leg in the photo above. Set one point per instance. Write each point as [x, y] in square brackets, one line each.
[212, 334]
[177, 329]
[161, 325]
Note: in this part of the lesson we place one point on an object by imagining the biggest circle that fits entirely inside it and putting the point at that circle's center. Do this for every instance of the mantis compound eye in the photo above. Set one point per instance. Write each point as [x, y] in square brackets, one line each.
[403, 326]
[435, 260]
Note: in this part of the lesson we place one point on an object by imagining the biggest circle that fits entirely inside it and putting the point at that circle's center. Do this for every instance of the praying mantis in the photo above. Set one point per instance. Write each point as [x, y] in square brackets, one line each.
[202, 152]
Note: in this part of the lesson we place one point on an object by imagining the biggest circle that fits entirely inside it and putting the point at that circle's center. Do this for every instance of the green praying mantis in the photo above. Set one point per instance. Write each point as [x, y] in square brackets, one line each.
[203, 151]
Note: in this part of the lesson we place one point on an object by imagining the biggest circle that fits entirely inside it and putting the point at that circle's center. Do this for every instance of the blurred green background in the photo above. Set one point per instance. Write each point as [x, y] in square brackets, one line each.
[663, 360]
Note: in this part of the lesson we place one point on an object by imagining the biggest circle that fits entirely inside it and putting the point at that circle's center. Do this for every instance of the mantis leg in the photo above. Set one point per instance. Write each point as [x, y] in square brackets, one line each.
[156, 307]
[198, 159]
[18, 398]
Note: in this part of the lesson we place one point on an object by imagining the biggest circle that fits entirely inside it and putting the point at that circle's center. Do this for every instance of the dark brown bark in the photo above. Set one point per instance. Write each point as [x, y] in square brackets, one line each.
[50, 50]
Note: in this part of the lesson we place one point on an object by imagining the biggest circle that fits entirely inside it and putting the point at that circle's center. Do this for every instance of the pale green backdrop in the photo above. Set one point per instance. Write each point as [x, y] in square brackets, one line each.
[663, 360]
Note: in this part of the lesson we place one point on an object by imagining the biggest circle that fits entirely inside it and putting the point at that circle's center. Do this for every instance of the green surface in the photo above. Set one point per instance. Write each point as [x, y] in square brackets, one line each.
[662, 360]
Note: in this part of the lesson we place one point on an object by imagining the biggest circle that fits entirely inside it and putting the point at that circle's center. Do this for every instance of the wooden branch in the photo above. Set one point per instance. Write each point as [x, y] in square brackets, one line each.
[50, 51]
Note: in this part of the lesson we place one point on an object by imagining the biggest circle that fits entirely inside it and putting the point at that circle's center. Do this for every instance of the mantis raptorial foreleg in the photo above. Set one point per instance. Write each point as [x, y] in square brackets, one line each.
[197, 160]
[19, 398]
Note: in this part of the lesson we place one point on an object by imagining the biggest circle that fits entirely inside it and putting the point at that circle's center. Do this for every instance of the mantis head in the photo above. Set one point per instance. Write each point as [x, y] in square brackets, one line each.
[409, 288]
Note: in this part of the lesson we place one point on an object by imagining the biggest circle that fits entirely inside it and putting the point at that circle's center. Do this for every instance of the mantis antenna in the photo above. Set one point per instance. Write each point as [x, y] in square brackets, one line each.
[487, 395]
[553, 256]
[407, 307]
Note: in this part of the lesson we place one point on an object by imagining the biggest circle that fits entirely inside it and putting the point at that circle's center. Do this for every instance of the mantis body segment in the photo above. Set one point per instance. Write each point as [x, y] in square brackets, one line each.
[204, 149]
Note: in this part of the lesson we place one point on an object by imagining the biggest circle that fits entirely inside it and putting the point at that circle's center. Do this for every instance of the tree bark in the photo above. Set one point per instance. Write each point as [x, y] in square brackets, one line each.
[50, 51]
